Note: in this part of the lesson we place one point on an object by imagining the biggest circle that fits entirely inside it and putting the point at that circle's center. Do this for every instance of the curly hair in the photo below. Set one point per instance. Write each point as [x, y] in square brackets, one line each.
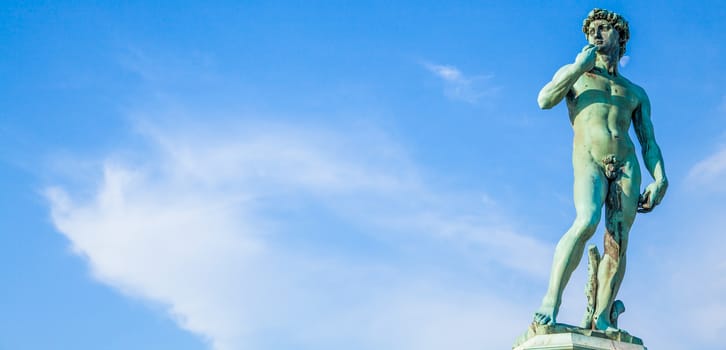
[615, 19]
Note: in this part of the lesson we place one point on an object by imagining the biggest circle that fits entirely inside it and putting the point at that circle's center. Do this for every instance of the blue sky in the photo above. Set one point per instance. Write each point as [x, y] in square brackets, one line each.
[319, 175]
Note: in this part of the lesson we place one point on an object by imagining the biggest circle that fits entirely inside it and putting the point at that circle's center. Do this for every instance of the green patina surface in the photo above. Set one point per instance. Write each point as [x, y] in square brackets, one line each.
[602, 106]
[538, 329]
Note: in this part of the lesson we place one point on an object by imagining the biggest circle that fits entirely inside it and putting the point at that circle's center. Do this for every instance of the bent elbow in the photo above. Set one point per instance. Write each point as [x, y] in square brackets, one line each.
[544, 103]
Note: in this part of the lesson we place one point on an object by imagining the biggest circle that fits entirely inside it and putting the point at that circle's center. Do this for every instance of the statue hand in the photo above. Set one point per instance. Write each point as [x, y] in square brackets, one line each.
[585, 60]
[652, 196]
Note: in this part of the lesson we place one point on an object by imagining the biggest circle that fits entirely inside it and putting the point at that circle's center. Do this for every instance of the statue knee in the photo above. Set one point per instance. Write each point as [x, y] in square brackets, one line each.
[585, 226]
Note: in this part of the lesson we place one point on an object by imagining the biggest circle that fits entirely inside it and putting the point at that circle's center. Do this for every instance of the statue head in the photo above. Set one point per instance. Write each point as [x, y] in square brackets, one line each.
[614, 19]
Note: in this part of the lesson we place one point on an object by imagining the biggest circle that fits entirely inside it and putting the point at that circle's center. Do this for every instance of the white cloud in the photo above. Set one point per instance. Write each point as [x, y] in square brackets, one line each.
[457, 86]
[710, 171]
[448, 73]
[275, 236]
[694, 280]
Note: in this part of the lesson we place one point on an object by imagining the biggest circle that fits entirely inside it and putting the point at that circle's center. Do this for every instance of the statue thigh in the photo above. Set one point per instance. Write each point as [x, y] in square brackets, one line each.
[590, 192]
[621, 205]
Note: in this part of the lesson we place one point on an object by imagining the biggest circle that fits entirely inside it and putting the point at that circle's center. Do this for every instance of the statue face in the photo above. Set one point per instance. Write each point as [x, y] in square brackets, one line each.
[602, 34]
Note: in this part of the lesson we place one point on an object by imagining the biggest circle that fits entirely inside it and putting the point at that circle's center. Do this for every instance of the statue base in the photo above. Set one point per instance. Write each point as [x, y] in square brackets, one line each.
[566, 337]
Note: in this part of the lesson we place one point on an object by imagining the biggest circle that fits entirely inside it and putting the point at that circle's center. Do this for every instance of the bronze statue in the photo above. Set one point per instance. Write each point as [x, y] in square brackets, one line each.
[602, 105]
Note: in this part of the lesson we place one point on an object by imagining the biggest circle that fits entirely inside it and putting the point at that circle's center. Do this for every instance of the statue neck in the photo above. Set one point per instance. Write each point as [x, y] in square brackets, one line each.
[608, 62]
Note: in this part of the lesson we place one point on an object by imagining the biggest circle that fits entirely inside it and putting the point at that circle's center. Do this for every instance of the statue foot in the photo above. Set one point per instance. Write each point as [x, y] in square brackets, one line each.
[604, 325]
[544, 316]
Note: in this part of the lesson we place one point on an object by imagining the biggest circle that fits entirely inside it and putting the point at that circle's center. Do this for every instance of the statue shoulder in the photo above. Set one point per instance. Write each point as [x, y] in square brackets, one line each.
[636, 89]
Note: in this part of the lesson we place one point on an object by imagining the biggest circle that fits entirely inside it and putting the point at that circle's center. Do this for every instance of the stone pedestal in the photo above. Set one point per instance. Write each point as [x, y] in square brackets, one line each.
[573, 341]
[566, 337]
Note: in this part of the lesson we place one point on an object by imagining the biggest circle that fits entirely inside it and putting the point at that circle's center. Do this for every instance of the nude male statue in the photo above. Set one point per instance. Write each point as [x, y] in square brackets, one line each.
[602, 104]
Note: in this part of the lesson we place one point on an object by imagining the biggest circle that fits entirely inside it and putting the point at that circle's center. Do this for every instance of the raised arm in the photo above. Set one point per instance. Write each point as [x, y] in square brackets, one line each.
[652, 157]
[552, 93]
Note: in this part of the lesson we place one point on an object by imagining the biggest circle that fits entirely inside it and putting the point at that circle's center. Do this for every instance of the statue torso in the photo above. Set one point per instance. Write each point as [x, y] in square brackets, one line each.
[601, 109]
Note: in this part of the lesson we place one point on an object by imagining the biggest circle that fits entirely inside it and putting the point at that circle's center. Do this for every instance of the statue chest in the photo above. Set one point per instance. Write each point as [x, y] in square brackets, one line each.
[595, 88]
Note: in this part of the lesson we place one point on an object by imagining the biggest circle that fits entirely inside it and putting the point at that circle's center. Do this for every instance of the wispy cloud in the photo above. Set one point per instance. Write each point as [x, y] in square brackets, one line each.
[697, 284]
[701, 285]
[710, 171]
[267, 236]
[687, 280]
[458, 86]
[164, 68]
